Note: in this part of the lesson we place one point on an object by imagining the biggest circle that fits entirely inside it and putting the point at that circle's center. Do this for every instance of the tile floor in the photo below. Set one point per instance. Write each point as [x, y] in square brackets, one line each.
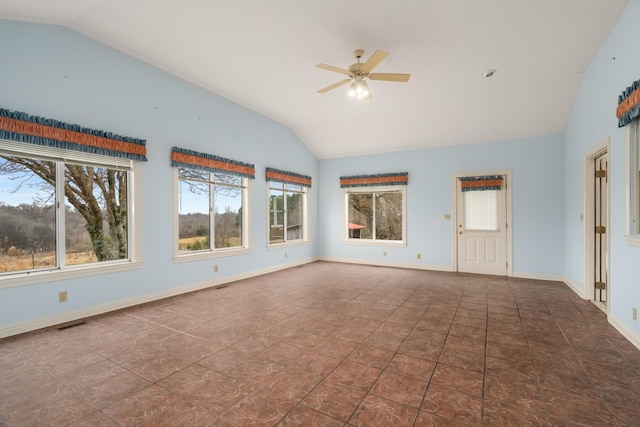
[330, 344]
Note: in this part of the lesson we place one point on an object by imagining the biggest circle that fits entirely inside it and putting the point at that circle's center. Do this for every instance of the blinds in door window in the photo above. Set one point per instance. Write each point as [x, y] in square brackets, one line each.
[481, 210]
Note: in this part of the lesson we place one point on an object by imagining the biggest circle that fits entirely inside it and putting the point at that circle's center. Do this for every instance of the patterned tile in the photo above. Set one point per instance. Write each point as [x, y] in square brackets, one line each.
[332, 344]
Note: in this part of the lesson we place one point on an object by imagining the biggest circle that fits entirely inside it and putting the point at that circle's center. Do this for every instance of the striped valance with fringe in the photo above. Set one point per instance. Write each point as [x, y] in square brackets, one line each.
[401, 178]
[629, 104]
[21, 127]
[277, 175]
[190, 159]
[481, 183]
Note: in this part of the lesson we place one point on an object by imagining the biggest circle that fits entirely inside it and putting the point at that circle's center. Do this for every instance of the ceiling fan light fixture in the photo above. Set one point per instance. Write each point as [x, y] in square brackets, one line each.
[363, 90]
[352, 89]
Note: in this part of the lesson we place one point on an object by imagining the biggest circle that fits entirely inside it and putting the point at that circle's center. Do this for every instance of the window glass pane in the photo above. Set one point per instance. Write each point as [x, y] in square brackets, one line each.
[481, 210]
[294, 216]
[389, 216]
[276, 216]
[360, 215]
[228, 212]
[276, 185]
[27, 214]
[220, 178]
[294, 187]
[193, 219]
[193, 174]
[95, 214]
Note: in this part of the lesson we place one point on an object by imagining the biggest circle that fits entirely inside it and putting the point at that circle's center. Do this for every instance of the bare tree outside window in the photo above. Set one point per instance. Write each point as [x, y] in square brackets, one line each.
[210, 206]
[375, 215]
[95, 203]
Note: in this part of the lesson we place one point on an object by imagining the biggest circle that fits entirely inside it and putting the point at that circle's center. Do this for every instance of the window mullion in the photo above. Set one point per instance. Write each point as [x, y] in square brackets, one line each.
[61, 244]
[285, 220]
[212, 216]
[373, 220]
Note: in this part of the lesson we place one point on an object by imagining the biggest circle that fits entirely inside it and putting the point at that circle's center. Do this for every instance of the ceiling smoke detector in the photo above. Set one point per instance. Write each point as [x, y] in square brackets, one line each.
[489, 73]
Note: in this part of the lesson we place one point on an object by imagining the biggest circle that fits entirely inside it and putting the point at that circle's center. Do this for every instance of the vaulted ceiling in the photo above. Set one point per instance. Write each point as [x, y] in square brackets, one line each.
[262, 54]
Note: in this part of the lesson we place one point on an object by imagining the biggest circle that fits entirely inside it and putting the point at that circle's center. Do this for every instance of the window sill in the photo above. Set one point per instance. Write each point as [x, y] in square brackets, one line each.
[367, 242]
[36, 277]
[197, 256]
[273, 246]
[633, 240]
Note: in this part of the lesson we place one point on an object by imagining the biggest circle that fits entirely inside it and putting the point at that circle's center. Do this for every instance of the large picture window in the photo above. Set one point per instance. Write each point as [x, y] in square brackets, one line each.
[211, 213]
[61, 209]
[376, 214]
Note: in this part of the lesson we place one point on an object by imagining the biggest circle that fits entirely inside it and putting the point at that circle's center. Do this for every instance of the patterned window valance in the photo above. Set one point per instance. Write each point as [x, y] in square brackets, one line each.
[277, 175]
[629, 104]
[481, 183]
[190, 159]
[401, 178]
[21, 127]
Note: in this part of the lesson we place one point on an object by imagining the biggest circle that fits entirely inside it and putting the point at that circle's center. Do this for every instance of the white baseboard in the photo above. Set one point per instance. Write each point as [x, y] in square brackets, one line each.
[388, 264]
[575, 288]
[44, 322]
[535, 276]
[624, 330]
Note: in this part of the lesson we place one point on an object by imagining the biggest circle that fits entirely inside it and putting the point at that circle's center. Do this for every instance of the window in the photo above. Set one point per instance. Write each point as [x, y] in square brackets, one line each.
[633, 182]
[211, 212]
[376, 214]
[62, 209]
[287, 212]
[481, 210]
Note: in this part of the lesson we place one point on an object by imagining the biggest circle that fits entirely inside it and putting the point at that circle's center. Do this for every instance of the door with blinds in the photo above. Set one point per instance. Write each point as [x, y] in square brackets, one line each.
[481, 213]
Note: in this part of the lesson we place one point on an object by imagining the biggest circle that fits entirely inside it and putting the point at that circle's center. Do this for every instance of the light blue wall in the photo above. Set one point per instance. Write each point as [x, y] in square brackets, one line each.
[54, 72]
[616, 66]
[536, 166]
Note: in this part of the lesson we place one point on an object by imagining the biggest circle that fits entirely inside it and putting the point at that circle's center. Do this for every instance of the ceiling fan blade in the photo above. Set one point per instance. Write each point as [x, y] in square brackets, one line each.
[390, 77]
[333, 86]
[374, 60]
[336, 69]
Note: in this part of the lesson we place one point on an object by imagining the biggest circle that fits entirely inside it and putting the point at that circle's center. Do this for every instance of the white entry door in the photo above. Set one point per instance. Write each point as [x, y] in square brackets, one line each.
[482, 224]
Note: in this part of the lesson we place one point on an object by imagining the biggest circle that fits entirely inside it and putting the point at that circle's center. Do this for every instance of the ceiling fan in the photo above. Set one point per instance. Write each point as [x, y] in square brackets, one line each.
[358, 72]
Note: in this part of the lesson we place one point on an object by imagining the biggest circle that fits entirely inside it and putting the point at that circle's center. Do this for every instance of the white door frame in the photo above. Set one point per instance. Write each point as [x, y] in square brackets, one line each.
[454, 228]
[590, 223]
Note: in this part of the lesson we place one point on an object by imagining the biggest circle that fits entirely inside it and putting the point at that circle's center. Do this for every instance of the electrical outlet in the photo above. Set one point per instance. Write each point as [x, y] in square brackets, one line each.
[384, 253]
[286, 255]
[62, 296]
[447, 216]
[215, 268]
[635, 313]
[419, 256]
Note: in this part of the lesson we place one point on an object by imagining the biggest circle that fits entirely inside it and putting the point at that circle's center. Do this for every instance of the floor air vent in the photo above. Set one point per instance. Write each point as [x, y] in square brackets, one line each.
[72, 325]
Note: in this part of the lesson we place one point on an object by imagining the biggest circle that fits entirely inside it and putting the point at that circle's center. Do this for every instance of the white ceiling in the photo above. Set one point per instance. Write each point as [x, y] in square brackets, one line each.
[262, 54]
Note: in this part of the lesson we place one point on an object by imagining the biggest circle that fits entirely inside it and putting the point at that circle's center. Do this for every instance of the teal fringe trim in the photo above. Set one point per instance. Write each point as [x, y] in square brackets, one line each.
[48, 142]
[634, 112]
[305, 177]
[375, 184]
[211, 169]
[482, 178]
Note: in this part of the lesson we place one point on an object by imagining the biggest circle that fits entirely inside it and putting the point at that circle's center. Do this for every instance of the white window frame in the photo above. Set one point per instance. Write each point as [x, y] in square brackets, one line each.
[305, 218]
[62, 271]
[633, 183]
[374, 189]
[180, 257]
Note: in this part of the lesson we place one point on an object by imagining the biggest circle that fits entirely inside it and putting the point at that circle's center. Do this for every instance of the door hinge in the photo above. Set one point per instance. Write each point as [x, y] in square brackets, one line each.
[601, 173]
[601, 229]
[601, 285]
